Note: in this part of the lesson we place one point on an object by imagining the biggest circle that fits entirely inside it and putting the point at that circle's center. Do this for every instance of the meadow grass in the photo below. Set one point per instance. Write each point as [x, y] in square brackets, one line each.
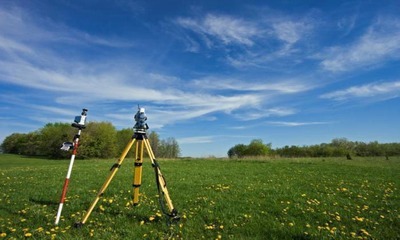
[216, 199]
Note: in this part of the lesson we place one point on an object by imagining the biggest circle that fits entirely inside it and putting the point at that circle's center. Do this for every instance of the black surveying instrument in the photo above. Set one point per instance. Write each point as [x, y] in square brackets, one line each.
[140, 138]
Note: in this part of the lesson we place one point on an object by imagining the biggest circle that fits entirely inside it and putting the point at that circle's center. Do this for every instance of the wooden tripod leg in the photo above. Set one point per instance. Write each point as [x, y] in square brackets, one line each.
[114, 170]
[137, 180]
[161, 184]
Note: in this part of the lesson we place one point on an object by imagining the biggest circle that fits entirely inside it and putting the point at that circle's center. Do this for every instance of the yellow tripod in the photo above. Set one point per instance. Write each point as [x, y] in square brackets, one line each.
[142, 141]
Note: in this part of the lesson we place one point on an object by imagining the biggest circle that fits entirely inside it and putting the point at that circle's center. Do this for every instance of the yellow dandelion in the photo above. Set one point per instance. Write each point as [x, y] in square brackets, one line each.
[3, 235]
[359, 219]
[363, 231]
[141, 222]
[28, 234]
[221, 227]
[209, 227]
[151, 218]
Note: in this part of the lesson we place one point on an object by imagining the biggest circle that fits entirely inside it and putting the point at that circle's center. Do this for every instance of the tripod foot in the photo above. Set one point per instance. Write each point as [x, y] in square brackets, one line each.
[174, 217]
[78, 224]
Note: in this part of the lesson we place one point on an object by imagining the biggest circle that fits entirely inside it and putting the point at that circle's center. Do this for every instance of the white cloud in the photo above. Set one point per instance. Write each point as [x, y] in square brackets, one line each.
[196, 140]
[377, 45]
[281, 86]
[19, 29]
[295, 124]
[226, 29]
[255, 42]
[258, 113]
[376, 90]
[290, 31]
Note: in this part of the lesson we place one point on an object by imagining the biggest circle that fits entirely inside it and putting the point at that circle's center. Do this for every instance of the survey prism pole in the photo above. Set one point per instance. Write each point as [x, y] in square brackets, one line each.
[80, 124]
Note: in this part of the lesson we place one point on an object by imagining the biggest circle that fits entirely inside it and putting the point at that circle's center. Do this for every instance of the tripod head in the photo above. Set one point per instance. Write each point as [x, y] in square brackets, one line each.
[140, 118]
[79, 121]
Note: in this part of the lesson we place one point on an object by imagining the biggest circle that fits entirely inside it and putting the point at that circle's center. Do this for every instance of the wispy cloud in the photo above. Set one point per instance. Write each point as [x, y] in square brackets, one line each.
[222, 28]
[377, 90]
[274, 85]
[258, 113]
[379, 44]
[347, 24]
[196, 140]
[295, 124]
[251, 42]
[16, 23]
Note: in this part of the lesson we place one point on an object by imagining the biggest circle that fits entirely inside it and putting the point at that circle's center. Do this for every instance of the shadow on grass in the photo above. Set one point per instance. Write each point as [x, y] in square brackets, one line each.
[43, 202]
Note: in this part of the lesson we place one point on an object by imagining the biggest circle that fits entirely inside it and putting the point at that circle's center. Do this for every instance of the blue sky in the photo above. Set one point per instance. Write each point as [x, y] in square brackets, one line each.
[211, 74]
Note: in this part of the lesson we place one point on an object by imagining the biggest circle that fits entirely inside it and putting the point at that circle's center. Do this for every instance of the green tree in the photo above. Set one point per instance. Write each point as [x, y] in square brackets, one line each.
[257, 148]
[99, 141]
[237, 151]
[13, 143]
[123, 136]
[154, 140]
[169, 148]
[51, 137]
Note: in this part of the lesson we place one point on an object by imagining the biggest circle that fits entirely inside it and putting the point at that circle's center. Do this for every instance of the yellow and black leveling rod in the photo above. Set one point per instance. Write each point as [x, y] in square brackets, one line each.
[140, 138]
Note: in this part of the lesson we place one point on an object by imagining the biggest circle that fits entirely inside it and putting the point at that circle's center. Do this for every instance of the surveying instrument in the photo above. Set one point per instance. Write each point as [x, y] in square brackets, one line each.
[140, 138]
[79, 123]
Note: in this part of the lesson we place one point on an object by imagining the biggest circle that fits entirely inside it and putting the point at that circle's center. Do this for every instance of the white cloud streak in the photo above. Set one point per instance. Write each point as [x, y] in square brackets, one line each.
[196, 140]
[226, 29]
[295, 124]
[282, 86]
[378, 90]
[379, 44]
[257, 42]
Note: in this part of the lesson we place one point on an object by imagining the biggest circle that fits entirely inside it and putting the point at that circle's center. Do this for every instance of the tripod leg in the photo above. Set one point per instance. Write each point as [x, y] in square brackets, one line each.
[114, 170]
[137, 181]
[161, 184]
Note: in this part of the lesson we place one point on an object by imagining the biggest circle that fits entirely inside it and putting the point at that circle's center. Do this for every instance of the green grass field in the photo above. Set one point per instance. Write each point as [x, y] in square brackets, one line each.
[217, 199]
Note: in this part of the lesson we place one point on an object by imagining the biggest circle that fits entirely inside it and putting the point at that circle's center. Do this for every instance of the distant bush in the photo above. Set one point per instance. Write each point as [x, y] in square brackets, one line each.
[255, 148]
[341, 147]
[338, 147]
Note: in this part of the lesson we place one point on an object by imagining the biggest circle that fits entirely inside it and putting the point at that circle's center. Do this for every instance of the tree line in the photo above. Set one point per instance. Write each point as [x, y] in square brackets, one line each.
[98, 140]
[338, 147]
